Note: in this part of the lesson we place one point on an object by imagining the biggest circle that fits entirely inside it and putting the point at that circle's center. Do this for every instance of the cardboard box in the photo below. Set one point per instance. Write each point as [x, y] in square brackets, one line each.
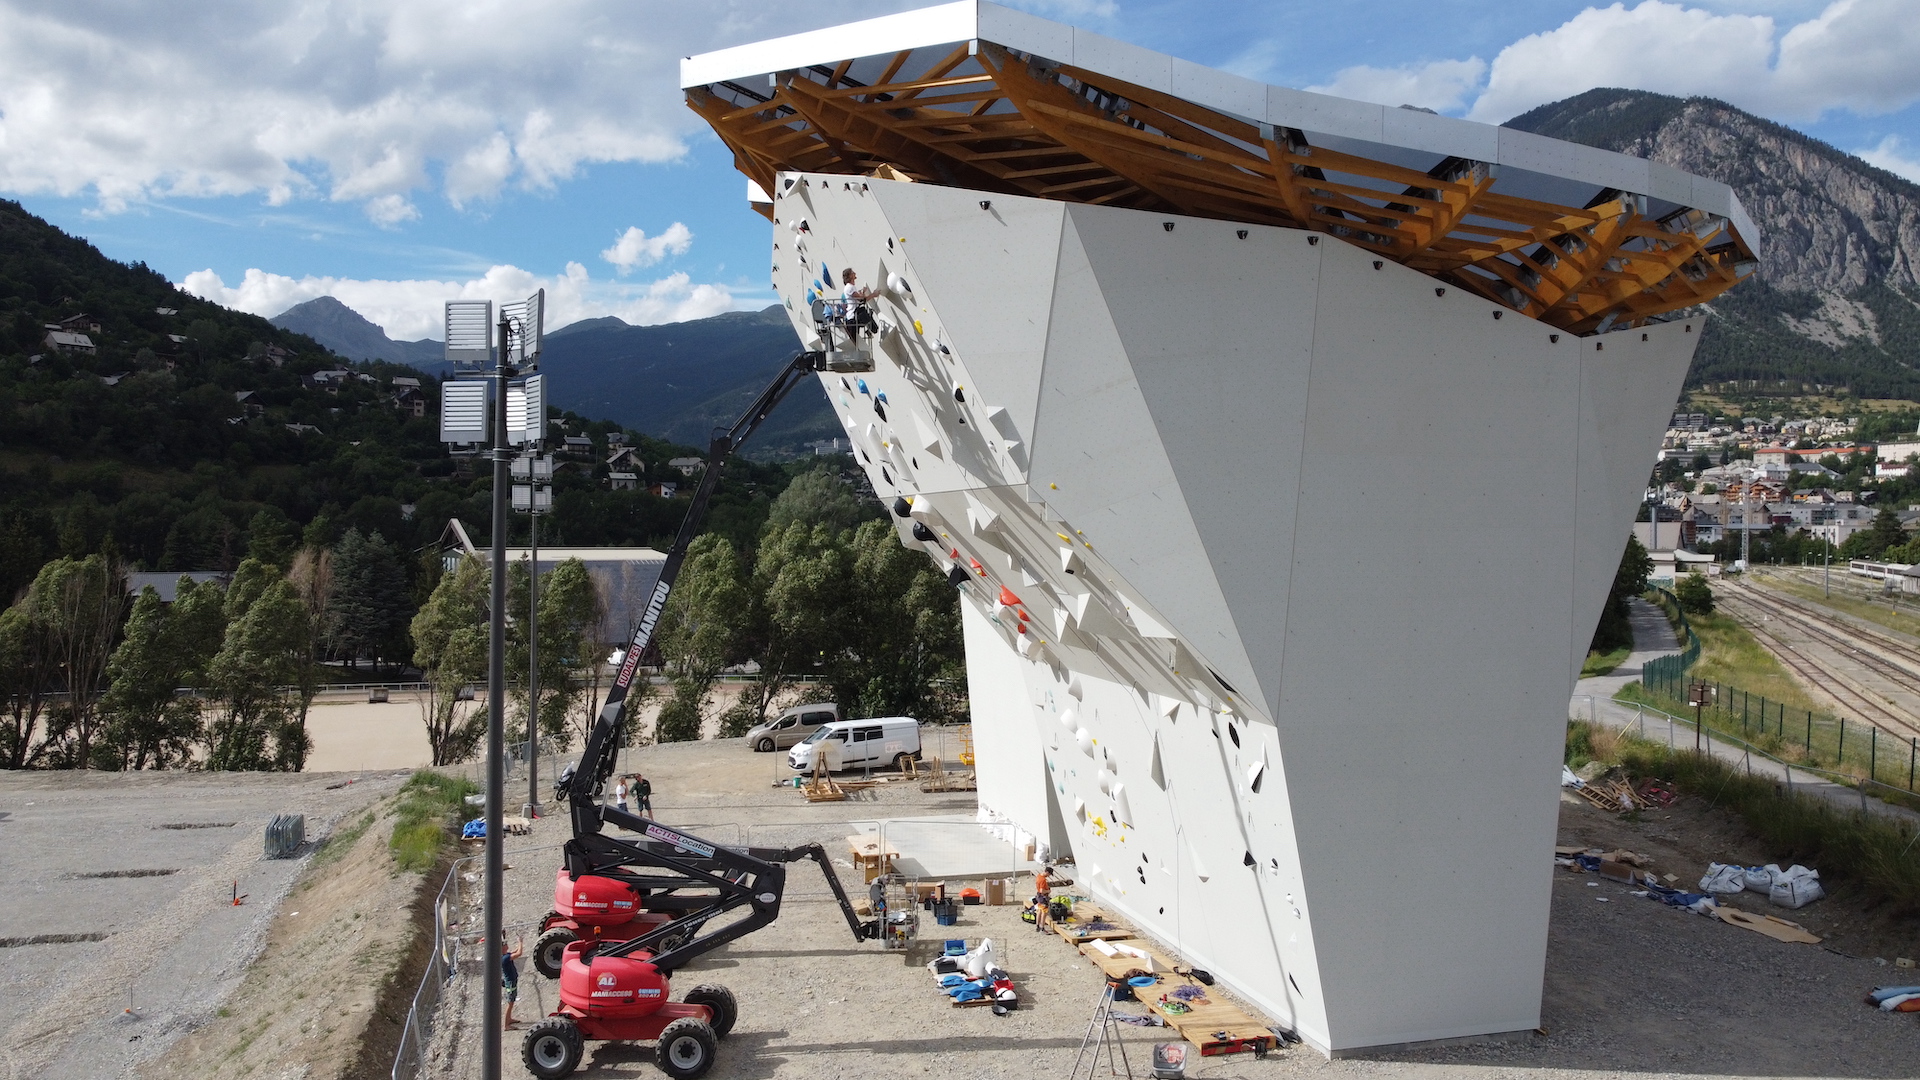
[995, 891]
[1619, 872]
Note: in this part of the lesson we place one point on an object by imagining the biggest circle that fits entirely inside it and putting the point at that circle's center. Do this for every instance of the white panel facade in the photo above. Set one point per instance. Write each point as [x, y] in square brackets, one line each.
[1263, 605]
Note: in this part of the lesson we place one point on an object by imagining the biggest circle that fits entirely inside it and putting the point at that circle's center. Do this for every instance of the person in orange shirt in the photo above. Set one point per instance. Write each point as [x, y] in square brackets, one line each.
[1042, 898]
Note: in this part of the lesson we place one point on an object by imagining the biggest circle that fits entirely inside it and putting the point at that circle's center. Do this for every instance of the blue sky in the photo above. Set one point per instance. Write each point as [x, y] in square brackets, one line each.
[399, 154]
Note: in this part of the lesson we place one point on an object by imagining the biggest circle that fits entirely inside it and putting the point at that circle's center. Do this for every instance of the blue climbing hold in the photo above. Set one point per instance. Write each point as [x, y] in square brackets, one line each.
[862, 384]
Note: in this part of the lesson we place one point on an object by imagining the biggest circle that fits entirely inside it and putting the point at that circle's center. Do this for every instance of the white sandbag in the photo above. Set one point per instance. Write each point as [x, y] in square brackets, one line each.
[1723, 880]
[980, 959]
[1760, 878]
[1796, 887]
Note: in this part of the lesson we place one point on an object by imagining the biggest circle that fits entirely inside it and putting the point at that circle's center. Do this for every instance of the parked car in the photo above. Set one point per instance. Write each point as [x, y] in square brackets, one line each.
[791, 726]
[853, 744]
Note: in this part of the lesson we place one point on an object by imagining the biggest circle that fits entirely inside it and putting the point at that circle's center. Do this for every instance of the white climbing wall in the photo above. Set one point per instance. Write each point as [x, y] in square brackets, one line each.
[1280, 561]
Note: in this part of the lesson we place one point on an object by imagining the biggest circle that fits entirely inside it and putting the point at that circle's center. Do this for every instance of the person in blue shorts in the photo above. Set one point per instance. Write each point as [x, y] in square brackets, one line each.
[510, 975]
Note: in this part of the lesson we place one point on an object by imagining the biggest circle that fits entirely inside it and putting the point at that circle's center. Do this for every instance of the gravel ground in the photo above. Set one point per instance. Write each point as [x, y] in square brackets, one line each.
[1632, 987]
[169, 946]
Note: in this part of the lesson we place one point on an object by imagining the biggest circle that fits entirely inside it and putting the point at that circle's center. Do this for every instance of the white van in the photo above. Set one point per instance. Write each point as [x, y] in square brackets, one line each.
[854, 744]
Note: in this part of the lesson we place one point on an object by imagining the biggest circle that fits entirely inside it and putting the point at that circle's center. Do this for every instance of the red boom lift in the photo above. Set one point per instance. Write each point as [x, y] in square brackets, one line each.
[619, 989]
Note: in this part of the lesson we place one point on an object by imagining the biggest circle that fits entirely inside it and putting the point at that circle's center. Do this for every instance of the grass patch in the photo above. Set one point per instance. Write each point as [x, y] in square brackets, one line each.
[1879, 857]
[341, 841]
[1851, 597]
[1729, 653]
[430, 806]
[1603, 663]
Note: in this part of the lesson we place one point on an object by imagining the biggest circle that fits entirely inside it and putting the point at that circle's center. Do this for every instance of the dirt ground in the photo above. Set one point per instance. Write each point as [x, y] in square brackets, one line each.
[351, 734]
[116, 908]
[1632, 987]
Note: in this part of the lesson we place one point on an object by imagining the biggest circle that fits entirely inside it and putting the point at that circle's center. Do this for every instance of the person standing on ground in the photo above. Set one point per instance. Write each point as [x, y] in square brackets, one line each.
[1043, 898]
[510, 974]
[620, 795]
[643, 793]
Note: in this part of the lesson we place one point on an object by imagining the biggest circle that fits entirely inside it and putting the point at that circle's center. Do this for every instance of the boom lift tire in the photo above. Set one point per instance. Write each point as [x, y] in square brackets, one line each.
[551, 949]
[720, 1000]
[552, 1048]
[686, 1049]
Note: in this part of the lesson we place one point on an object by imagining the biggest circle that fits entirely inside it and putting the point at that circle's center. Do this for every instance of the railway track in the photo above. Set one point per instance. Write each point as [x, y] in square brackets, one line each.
[1869, 649]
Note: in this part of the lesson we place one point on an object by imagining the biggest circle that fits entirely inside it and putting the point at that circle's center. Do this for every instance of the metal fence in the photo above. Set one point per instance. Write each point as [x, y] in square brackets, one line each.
[452, 933]
[1852, 747]
[1681, 727]
[1667, 670]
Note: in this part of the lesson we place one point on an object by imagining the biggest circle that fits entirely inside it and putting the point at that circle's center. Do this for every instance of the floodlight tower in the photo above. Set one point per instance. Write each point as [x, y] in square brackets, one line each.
[470, 346]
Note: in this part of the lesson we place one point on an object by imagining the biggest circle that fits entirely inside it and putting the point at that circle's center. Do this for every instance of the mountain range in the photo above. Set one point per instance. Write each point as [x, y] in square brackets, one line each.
[675, 381]
[1834, 300]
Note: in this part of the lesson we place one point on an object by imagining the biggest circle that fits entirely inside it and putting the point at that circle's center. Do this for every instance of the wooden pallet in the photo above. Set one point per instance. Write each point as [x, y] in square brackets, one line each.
[1209, 1023]
[1073, 931]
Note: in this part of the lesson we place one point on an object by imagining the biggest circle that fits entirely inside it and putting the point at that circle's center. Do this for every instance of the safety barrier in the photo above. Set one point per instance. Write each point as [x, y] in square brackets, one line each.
[285, 834]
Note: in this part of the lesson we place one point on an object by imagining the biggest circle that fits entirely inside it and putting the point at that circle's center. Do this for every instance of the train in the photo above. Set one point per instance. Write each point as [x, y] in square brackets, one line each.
[1894, 576]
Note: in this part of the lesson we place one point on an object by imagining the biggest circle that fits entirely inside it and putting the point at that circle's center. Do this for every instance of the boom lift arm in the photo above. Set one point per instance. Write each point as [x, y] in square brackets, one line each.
[753, 877]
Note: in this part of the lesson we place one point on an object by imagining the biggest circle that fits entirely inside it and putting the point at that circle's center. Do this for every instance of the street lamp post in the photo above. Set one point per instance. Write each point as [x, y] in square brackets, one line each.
[467, 420]
[533, 499]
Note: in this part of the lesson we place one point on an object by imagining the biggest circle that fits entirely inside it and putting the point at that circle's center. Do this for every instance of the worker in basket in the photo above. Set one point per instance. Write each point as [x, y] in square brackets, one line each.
[853, 302]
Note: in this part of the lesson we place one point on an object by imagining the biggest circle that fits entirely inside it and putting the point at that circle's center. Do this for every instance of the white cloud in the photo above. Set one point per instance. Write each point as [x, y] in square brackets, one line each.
[1443, 85]
[370, 101]
[410, 310]
[636, 248]
[1891, 156]
[1856, 54]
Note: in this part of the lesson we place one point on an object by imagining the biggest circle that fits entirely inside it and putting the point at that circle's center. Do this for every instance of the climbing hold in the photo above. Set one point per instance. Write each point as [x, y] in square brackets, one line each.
[917, 328]
[920, 530]
[959, 393]
[862, 384]
[956, 576]
[1007, 597]
[902, 508]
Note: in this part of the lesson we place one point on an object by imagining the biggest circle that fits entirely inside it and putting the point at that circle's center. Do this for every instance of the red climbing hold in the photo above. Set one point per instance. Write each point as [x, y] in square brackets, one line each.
[1007, 597]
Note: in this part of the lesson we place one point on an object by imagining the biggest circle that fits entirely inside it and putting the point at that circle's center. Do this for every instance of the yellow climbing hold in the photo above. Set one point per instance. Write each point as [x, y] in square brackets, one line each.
[917, 328]
[1099, 826]
[1064, 536]
[1055, 487]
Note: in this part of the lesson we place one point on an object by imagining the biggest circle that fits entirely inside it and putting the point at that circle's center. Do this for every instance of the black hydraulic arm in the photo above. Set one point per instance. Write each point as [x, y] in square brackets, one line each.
[582, 785]
[740, 877]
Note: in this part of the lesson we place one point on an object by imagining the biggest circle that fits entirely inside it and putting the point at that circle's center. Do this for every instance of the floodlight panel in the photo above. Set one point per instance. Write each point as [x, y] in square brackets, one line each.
[527, 410]
[469, 333]
[529, 328]
[463, 412]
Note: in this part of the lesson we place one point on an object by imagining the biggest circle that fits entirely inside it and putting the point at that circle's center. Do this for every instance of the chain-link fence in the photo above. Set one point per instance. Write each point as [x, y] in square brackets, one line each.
[455, 931]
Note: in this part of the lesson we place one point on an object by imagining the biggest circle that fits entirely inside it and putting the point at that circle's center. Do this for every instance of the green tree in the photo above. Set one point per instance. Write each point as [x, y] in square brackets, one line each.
[80, 603]
[1615, 629]
[29, 677]
[699, 632]
[147, 726]
[450, 641]
[905, 653]
[368, 610]
[570, 652]
[801, 583]
[272, 537]
[1695, 596]
[818, 497]
[262, 655]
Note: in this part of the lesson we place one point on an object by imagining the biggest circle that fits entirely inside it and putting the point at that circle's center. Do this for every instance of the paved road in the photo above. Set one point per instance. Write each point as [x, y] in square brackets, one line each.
[1653, 636]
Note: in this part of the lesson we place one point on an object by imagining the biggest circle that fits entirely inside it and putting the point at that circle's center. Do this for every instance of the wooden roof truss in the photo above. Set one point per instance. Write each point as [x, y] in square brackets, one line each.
[996, 120]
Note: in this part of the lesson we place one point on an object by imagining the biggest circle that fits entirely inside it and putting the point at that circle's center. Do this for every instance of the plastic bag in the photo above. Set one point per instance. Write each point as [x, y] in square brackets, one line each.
[1760, 878]
[1796, 888]
[981, 959]
[1723, 880]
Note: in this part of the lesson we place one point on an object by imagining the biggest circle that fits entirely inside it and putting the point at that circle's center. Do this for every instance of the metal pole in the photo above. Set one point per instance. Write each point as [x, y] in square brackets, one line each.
[496, 717]
[1826, 572]
[533, 649]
